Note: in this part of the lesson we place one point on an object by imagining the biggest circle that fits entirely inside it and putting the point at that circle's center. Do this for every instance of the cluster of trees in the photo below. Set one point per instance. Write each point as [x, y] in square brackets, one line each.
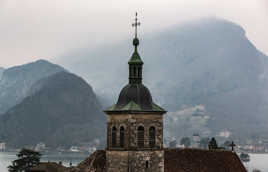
[186, 141]
[204, 143]
[27, 159]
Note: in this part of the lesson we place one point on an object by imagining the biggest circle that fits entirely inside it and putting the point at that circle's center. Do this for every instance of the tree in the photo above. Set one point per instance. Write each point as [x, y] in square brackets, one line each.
[227, 144]
[186, 141]
[173, 144]
[213, 144]
[204, 143]
[256, 170]
[26, 159]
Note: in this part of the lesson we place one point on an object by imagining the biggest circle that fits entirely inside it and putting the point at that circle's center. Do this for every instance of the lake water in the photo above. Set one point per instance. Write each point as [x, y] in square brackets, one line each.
[258, 161]
[7, 157]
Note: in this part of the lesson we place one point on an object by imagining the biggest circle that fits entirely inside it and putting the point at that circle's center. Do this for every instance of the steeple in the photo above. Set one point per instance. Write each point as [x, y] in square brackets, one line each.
[135, 62]
[135, 97]
[135, 124]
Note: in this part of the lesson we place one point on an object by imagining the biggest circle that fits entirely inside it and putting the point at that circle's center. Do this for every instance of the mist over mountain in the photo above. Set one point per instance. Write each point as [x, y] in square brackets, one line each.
[1, 71]
[209, 62]
[16, 81]
[206, 73]
[62, 110]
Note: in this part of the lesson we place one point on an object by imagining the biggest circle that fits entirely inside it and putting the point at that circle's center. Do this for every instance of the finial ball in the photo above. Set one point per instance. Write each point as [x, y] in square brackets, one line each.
[136, 42]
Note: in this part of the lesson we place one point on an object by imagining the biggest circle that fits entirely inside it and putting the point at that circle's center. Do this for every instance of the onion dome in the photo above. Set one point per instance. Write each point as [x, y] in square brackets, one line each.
[135, 97]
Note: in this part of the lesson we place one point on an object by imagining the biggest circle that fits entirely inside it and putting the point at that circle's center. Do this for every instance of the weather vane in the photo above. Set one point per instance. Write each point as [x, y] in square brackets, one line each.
[136, 24]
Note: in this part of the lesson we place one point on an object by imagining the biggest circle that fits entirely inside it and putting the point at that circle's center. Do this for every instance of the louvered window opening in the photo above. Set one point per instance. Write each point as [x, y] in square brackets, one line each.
[152, 137]
[114, 137]
[122, 137]
[140, 138]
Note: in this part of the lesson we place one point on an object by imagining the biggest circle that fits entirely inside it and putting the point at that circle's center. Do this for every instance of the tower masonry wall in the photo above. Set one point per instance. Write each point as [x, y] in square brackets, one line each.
[131, 122]
[135, 161]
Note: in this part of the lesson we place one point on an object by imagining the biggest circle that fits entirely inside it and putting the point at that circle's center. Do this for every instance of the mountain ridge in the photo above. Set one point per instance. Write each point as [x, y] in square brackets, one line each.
[16, 81]
[209, 62]
[1, 71]
[63, 111]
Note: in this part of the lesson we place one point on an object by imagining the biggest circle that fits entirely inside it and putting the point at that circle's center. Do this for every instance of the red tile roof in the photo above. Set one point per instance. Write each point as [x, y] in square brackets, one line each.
[176, 160]
[48, 167]
[199, 160]
[95, 162]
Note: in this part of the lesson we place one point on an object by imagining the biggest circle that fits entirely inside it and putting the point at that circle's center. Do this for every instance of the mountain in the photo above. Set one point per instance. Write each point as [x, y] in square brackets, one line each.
[16, 81]
[209, 62]
[62, 110]
[1, 71]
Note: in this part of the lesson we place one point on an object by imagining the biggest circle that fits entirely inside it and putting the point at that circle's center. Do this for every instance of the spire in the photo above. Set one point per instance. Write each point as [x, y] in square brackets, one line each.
[135, 62]
[136, 24]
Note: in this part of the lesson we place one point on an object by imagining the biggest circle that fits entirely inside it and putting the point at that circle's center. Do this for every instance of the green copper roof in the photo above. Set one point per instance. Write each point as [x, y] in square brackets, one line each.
[157, 108]
[135, 59]
[135, 98]
[131, 106]
[111, 108]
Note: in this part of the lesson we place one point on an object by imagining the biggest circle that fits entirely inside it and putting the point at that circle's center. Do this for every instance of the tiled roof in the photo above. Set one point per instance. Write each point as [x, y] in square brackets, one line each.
[48, 167]
[176, 160]
[95, 162]
[199, 160]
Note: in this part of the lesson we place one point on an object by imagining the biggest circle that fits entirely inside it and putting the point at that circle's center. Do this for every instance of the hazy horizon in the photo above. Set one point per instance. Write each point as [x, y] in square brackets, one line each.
[33, 29]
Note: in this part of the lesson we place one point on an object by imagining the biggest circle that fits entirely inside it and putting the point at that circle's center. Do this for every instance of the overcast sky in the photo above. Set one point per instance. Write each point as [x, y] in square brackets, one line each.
[34, 29]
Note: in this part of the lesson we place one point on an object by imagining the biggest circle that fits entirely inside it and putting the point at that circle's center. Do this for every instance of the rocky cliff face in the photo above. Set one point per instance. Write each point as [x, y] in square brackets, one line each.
[62, 110]
[16, 82]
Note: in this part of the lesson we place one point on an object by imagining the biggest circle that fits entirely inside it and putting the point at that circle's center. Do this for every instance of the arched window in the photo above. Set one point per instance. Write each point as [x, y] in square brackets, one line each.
[139, 72]
[122, 136]
[140, 138]
[114, 137]
[152, 137]
[134, 72]
[147, 164]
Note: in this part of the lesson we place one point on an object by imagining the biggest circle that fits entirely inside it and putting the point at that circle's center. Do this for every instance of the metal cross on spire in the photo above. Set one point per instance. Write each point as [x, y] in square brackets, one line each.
[232, 145]
[136, 24]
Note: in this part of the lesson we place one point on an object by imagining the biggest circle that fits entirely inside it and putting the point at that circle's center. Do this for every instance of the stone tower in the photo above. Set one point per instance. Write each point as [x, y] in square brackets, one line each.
[135, 125]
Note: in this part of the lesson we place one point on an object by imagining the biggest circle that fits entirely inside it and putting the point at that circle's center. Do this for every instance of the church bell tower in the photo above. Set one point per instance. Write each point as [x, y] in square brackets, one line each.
[135, 124]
